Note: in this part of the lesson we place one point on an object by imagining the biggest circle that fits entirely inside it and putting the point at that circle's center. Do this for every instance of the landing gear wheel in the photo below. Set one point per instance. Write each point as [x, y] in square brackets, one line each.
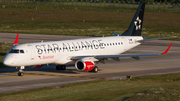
[95, 70]
[58, 67]
[61, 67]
[20, 73]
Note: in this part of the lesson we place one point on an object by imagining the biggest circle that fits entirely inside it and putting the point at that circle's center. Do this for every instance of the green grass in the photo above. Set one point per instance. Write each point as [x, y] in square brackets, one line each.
[149, 88]
[65, 19]
[98, 21]
[4, 48]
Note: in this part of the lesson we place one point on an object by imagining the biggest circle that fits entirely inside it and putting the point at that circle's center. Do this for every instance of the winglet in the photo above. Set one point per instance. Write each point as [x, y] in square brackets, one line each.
[16, 40]
[167, 49]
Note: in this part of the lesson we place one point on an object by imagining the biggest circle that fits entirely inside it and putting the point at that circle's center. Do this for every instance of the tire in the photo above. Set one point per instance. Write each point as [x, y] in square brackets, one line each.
[63, 67]
[95, 70]
[58, 67]
[20, 73]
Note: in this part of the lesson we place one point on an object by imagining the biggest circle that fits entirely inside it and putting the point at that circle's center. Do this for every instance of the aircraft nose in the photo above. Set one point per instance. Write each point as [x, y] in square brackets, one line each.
[7, 61]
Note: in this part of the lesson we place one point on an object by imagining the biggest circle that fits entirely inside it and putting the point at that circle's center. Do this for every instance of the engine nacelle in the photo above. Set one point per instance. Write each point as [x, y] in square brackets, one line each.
[84, 65]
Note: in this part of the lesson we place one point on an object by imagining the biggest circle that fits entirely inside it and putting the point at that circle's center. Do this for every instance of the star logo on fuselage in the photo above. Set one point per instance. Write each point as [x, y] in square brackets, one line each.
[137, 23]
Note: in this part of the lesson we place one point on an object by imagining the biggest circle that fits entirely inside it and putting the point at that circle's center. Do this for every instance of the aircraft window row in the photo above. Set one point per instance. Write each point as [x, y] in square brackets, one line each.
[84, 46]
[16, 51]
[110, 44]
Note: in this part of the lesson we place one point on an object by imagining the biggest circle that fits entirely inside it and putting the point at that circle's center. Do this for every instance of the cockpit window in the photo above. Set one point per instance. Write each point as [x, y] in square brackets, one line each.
[16, 51]
[21, 51]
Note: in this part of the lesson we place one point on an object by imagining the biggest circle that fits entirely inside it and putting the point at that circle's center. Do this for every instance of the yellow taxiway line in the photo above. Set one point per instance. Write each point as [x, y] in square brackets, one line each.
[57, 74]
[49, 74]
[15, 77]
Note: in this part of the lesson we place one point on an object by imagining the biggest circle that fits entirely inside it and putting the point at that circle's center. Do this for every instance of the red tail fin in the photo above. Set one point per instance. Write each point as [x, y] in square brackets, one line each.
[16, 40]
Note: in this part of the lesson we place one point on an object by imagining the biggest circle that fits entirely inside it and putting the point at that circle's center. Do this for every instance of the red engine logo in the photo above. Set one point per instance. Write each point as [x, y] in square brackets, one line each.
[89, 66]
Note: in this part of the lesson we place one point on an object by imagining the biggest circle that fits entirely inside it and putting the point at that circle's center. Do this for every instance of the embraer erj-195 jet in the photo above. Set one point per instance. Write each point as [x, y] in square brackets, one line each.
[84, 53]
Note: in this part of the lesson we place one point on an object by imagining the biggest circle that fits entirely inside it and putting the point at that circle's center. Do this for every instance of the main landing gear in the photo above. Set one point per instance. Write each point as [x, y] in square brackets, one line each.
[61, 67]
[20, 73]
[95, 69]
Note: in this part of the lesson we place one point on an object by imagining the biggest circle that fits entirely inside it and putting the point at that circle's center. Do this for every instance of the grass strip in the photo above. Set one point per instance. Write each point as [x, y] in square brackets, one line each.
[86, 21]
[4, 48]
[162, 87]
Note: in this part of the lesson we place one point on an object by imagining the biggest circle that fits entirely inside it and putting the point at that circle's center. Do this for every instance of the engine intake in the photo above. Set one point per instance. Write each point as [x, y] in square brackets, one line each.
[84, 65]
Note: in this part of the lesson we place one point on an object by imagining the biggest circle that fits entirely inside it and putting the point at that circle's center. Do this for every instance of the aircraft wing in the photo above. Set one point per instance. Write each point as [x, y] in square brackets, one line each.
[145, 38]
[116, 57]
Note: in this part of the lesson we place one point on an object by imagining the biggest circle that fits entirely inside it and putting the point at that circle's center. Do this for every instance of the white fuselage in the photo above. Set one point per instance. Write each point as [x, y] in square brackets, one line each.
[59, 52]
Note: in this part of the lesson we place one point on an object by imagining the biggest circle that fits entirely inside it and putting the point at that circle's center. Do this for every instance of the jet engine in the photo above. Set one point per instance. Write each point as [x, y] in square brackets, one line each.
[84, 65]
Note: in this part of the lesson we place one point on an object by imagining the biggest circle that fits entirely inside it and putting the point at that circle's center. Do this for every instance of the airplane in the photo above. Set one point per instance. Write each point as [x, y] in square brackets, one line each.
[83, 53]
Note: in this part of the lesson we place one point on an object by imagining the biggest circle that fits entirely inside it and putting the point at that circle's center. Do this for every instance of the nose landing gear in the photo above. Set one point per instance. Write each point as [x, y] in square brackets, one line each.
[20, 73]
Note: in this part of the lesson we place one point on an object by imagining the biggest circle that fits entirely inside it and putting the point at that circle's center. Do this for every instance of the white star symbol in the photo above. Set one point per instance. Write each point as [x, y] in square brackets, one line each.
[138, 26]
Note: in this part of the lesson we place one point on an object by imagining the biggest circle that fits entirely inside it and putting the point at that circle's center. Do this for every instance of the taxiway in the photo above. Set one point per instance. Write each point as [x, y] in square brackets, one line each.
[48, 76]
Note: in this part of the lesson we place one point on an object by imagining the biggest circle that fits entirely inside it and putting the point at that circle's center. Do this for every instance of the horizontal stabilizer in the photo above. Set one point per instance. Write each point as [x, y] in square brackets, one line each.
[145, 39]
[117, 34]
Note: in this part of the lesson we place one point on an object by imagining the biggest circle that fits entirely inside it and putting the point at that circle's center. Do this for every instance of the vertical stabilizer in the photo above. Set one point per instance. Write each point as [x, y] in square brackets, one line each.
[136, 23]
